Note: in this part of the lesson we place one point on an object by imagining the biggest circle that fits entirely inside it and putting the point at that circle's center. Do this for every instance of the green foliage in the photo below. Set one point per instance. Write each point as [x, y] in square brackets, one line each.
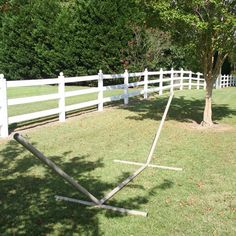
[204, 27]
[25, 37]
[162, 52]
[153, 48]
[104, 31]
[41, 38]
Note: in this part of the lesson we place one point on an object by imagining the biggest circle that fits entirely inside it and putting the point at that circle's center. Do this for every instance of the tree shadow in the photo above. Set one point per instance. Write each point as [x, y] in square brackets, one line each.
[133, 202]
[166, 184]
[182, 109]
[27, 200]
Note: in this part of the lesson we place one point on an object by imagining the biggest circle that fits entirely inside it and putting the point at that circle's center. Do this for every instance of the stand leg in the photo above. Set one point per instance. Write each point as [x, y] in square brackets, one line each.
[92, 204]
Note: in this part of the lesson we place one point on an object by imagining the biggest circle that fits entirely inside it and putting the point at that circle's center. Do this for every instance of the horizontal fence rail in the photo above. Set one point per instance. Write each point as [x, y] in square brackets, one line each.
[146, 82]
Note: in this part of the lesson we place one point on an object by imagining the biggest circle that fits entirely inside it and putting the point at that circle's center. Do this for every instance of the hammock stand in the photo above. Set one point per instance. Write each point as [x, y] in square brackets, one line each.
[96, 203]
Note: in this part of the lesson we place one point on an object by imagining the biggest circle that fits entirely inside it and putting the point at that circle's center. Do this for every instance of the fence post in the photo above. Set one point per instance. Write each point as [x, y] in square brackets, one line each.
[190, 80]
[126, 86]
[61, 91]
[172, 80]
[145, 84]
[227, 79]
[198, 80]
[3, 108]
[231, 80]
[100, 92]
[161, 82]
[181, 78]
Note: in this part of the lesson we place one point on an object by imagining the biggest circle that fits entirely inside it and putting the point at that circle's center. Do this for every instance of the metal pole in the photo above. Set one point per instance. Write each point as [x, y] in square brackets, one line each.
[145, 165]
[159, 130]
[123, 184]
[122, 210]
[54, 167]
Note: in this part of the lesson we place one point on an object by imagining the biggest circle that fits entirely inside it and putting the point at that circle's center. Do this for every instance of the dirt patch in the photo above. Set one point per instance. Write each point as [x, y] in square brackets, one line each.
[216, 127]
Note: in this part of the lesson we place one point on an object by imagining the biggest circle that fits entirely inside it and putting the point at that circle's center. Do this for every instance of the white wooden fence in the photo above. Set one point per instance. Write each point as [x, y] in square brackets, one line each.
[148, 82]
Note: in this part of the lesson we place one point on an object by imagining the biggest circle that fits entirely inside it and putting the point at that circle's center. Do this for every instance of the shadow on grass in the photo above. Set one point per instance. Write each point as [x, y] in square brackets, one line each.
[27, 199]
[182, 109]
[28, 206]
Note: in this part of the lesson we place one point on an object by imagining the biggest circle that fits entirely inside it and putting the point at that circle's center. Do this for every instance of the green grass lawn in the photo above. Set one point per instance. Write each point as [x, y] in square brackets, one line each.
[200, 200]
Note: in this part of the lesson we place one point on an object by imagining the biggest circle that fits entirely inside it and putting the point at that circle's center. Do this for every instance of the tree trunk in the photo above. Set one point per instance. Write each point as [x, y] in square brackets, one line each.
[207, 115]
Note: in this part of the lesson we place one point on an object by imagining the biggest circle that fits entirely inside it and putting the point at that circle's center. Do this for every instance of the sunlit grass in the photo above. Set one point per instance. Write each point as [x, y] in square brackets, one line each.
[200, 200]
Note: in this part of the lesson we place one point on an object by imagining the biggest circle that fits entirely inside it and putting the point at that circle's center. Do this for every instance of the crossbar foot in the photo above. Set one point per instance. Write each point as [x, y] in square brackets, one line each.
[108, 207]
[150, 165]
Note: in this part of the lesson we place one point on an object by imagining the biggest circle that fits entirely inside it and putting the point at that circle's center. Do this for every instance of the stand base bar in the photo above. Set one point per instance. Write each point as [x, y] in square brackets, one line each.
[150, 165]
[92, 204]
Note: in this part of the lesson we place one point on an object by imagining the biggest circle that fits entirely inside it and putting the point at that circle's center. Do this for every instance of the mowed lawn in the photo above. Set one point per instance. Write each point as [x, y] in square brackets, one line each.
[200, 200]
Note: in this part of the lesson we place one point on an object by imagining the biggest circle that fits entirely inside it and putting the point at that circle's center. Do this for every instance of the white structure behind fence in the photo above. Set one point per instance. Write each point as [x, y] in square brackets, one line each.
[148, 82]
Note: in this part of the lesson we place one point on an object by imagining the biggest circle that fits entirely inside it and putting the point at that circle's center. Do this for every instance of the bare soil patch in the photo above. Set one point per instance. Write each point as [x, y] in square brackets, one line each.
[216, 127]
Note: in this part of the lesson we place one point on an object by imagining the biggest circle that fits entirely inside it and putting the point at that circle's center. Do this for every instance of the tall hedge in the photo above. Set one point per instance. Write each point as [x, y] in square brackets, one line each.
[40, 38]
[25, 42]
[105, 29]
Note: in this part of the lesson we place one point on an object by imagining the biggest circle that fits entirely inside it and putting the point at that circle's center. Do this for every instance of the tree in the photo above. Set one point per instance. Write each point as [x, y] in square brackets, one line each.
[153, 48]
[25, 43]
[40, 38]
[103, 32]
[206, 27]
[162, 52]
